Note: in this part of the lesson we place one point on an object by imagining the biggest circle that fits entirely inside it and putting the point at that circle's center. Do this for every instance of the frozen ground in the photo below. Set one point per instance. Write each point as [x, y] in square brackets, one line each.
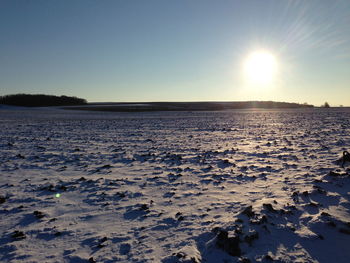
[239, 186]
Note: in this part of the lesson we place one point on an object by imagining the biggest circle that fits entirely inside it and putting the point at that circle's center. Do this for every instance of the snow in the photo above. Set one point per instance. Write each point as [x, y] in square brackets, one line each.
[231, 186]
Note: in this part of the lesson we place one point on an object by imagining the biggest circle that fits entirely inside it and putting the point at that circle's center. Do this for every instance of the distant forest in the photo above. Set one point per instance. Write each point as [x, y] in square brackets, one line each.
[188, 106]
[40, 100]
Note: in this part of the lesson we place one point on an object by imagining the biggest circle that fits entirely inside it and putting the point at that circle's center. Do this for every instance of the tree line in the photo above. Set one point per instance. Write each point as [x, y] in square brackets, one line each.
[40, 100]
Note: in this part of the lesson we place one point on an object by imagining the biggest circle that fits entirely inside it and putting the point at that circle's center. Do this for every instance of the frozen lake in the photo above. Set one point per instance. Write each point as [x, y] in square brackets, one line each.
[80, 186]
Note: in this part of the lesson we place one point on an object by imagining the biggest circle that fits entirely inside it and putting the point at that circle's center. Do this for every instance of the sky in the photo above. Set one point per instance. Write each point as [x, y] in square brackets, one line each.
[183, 50]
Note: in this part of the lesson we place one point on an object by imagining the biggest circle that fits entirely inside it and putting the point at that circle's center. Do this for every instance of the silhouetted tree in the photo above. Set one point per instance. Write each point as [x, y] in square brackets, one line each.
[326, 105]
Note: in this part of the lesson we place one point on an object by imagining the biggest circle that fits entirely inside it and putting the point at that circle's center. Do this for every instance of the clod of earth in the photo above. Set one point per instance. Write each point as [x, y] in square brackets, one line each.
[144, 207]
[331, 173]
[305, 193]
[269, 208]
[18, 235]
[39, 214]
[62, 187]
[248, 211]
[2, 199]
[228, 244]
[104, 239]
[107, 166]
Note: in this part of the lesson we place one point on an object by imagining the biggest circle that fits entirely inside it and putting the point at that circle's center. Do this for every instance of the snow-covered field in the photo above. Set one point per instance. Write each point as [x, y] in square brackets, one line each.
[234, 186]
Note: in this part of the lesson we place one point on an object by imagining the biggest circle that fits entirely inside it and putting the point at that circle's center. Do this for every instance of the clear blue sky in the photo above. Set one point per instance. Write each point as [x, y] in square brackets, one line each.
[183, 50]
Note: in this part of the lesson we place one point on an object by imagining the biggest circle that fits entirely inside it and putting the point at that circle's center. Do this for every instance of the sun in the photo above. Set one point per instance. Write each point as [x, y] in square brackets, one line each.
[260, 68]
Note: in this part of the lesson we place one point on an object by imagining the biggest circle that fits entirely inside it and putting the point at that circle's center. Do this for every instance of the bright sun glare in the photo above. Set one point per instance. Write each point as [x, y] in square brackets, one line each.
[260, 68]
